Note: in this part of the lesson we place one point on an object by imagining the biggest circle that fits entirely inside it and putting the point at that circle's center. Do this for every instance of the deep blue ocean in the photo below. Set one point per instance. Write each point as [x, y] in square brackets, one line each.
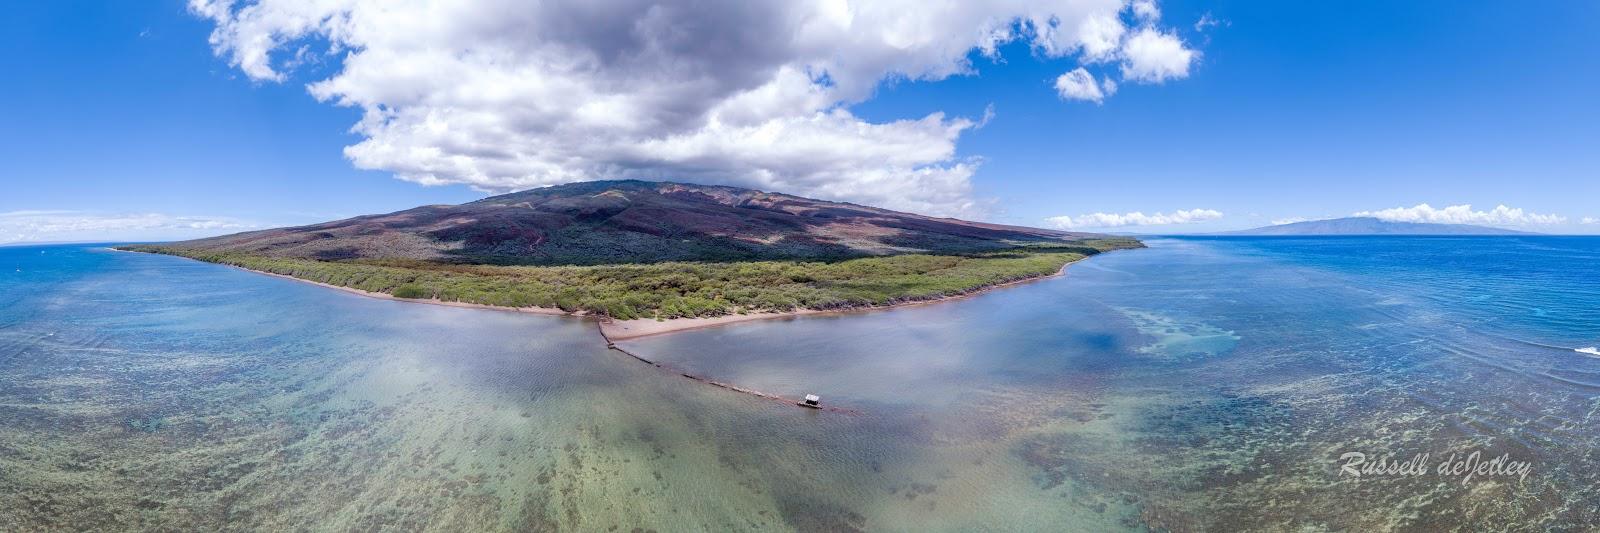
[1212, 384]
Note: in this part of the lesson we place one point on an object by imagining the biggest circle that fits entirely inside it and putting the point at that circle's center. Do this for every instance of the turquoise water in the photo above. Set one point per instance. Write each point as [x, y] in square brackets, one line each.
[1201, 384]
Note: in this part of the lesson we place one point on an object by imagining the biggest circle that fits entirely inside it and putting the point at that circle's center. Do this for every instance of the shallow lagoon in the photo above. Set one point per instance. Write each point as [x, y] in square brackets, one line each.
[1200, 384]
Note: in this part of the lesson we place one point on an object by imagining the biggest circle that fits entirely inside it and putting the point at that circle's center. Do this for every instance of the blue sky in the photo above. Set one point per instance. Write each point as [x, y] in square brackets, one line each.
[122, 121]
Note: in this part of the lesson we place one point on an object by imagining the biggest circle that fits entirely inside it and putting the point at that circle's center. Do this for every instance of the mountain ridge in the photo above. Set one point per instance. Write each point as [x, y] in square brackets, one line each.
[631, 221]
[635, 250]
[1369, 226]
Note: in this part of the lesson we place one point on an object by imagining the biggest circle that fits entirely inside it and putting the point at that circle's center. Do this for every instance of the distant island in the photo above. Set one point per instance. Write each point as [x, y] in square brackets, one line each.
[1371, 226]
[644, 252]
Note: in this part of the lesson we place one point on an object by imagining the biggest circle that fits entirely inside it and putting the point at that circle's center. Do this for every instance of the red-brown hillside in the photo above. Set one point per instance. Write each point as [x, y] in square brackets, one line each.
[630, 222]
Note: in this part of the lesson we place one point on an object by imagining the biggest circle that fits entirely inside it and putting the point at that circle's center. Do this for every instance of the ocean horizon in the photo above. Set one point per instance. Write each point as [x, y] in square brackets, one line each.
[1192, 385]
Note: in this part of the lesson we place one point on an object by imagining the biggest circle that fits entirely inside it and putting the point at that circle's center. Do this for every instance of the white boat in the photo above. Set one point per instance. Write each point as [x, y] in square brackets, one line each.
[1589, 351]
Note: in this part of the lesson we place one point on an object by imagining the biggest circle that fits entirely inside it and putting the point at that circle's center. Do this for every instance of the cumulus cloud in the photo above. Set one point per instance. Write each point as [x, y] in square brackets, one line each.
[1464, 214]
[503, 95]
[1154, 56]
[1591, 220]
[35, 226]
[1289, 220]
[1079, 84]
[1146, 10]
[1136, 218]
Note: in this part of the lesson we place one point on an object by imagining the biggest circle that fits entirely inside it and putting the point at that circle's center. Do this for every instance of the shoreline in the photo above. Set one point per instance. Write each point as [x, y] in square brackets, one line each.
[622, 330]
[547, 311]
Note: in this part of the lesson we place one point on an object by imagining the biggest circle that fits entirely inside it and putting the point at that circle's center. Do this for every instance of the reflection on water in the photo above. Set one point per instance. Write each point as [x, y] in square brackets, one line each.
[1200, 384]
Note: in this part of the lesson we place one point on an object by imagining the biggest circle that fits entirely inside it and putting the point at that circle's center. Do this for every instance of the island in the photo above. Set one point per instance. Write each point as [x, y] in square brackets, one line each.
[654, 257]
[1371, 226]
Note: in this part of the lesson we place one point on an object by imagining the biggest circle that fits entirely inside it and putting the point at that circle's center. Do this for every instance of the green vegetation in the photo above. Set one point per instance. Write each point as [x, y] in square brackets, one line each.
[680, 289]
[411, 290]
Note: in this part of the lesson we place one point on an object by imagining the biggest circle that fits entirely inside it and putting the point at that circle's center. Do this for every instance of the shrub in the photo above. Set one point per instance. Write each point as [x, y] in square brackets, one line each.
[681, 289]
[410, 291]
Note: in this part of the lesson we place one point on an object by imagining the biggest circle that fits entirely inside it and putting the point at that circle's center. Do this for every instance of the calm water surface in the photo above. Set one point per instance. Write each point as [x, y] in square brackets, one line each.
[1202, 384]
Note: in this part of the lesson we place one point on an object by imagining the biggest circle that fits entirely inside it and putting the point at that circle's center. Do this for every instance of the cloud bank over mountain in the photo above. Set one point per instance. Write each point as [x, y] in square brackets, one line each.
[1464, 214]
[503, 95]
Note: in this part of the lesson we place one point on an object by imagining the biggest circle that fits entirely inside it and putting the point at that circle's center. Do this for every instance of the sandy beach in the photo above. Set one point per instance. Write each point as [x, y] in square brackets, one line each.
[618, 330]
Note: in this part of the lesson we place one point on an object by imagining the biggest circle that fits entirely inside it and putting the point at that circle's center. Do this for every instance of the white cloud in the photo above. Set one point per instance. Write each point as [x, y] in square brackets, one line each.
[508, 94]
[34, 226]
[1154, 56]
[1207, 22]
[1079, 84]
[1136, 218]
[1289, 220]
[1463, 214]
[1146, 10]
[1591, 220]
